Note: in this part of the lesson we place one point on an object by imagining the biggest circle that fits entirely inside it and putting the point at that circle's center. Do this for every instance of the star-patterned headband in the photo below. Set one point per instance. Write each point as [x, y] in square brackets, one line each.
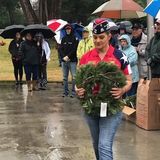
[100, 25]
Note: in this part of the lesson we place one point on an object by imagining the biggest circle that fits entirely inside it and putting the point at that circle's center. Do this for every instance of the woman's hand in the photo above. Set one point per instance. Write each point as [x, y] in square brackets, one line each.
[117, 93]
[80, 92]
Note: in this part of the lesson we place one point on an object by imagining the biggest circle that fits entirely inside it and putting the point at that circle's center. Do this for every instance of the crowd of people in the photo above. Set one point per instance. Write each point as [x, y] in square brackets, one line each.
[129, 52]
[31, 53]
[133, 44]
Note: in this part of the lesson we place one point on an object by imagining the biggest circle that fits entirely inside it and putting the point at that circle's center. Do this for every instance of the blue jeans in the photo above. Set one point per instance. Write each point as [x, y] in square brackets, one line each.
[103, 131]
[31, 72]
[66, 67]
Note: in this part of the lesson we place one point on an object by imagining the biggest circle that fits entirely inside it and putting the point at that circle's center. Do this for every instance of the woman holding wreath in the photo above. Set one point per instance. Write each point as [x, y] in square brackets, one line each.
[103, 129]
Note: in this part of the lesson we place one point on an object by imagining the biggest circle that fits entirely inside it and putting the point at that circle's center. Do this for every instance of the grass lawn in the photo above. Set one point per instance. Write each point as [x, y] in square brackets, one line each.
[6, 68]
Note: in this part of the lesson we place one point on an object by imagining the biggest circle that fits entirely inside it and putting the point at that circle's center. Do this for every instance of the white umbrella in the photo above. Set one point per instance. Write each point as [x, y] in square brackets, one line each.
[120, 9]
[56, 25]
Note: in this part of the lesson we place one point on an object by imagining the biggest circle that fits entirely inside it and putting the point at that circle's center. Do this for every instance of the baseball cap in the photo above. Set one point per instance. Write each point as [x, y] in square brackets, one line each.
[137, 26]
[68, 26]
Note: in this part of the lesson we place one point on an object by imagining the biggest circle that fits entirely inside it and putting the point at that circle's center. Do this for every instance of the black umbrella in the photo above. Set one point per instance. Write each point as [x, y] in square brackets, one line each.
[38, 28]
[10, 31]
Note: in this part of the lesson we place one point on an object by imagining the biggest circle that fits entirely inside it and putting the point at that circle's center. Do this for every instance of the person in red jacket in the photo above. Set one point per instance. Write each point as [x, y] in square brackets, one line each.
[103, 129]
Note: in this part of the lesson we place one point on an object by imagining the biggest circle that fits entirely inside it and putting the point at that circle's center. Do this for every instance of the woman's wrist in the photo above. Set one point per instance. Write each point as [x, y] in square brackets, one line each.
[124, 89]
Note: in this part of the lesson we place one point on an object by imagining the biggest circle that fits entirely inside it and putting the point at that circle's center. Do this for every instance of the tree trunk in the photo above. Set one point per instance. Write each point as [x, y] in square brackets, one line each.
[43, 11]
[11, 15]
[54, 9]
[59, 9]
[29, 12]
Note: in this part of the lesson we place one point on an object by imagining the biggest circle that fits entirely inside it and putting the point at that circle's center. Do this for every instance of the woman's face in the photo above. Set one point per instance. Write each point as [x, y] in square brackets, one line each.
[101, 40]
[18, 36]
[28, 36]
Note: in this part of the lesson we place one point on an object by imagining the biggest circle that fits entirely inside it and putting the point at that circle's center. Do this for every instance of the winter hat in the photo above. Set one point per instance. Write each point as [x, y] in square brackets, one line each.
[137, 26]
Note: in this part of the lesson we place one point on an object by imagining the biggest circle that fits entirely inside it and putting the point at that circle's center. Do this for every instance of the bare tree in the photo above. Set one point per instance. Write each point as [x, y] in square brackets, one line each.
[43, 11]
[49, 9]
[29, 12]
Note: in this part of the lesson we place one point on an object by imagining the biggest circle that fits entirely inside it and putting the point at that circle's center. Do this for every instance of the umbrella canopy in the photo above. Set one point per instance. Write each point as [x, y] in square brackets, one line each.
[77, 30]
[120, 9]
[153, 8]
[56, 25]
[38, 28]
[10, 31]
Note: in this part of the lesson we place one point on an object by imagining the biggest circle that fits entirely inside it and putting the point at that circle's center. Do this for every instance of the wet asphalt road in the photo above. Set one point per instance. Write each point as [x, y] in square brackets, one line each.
[45, 126]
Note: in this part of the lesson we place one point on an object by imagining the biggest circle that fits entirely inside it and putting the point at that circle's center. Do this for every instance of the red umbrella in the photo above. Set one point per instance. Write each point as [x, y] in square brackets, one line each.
[120, 9]
[56, 24]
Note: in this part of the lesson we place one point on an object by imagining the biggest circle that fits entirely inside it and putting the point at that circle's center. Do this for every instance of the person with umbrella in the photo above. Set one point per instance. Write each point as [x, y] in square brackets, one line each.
[69, 59]
[44, 58]
[31, 52]
[153, 52]
[103, 129]
[16, 58]
[30, 57]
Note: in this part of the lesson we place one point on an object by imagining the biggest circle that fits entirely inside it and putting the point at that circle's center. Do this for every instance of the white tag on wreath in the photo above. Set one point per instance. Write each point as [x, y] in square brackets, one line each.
[103, 111]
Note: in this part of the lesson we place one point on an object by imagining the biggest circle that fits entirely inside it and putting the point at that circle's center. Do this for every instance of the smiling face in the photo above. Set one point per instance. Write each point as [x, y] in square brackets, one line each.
[101, 40]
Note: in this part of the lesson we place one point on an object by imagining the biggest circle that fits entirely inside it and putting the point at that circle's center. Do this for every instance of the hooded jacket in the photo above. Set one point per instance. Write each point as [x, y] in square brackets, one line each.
[69, 47]
[84, 46]
[153, 52]
[132, 56]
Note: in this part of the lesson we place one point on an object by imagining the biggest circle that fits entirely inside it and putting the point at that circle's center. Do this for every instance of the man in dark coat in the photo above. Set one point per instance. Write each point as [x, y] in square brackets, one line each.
[69, 59]
[153, 52]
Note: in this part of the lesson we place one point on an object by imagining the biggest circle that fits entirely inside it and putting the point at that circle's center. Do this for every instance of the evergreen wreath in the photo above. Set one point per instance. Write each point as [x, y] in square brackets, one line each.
[98, 80]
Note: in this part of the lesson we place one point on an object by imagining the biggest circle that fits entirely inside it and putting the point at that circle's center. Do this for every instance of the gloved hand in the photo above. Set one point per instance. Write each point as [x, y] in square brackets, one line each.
[149, 61]
[66, 59]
